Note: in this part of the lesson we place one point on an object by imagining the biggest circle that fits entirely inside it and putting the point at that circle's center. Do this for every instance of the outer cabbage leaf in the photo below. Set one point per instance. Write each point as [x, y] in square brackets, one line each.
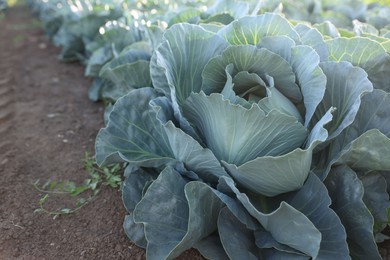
[273, 254]
[265, 241]
[177, 63]
[344, 88]
[74, 33]
[346, 191]
[373, 114]
[327, 29]
[313, 38]
[112, 38]
[211, 247]
[365, 144]
[134, 231]
[360, 28]
[310, 77]
[128, 71]
[98, 58]
[188, 15]
[132, 192]
[194, 156]
[133, 133]
[370, 151]
[187, 218]
[240, 245]
[251, 29]
[237, 9]
[365, 53]
[217, 21]
[313, 201]
[280, 44]
[285, 223]
[125, 58]
[72, 46]
[164, 212]
[155, 35]
[97, 88]
[376, 198]
[134, 185]
[126, 78]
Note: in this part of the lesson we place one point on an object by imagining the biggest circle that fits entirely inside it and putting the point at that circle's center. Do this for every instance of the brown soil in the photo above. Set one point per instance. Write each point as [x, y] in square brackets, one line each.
[46, 125]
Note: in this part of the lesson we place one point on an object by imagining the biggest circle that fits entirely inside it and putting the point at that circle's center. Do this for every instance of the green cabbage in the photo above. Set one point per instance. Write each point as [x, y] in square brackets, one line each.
[258, 140]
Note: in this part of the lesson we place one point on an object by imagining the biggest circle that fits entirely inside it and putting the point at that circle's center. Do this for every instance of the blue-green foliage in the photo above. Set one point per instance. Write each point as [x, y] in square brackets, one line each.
[259, 126]
[247, 137]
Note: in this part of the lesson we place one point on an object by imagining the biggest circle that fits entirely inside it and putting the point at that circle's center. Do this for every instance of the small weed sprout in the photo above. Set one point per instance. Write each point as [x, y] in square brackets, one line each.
[98, 177]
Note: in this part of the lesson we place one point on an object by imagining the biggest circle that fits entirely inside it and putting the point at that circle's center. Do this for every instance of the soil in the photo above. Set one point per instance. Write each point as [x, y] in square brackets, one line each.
[47, 124]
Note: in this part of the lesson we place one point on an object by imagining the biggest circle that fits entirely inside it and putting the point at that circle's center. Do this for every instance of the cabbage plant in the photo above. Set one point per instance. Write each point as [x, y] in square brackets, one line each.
[140, 31]
[112, 38]
[119, 59]
[50, 13]
[80, 24]
[3, 5]
[258, 139]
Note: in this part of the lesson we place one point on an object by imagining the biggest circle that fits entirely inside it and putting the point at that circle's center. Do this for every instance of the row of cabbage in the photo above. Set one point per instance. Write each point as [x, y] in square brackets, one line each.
[247, 135]
[3, 5]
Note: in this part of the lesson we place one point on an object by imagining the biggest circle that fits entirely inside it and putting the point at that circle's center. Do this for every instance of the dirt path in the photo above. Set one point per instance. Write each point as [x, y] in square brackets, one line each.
[46, 125]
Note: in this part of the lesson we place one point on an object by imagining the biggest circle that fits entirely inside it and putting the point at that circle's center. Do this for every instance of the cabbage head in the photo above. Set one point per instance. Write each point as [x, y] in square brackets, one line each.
[258, 139]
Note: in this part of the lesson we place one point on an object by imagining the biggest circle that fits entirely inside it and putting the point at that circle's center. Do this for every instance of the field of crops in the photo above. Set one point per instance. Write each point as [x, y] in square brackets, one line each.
[229, 129]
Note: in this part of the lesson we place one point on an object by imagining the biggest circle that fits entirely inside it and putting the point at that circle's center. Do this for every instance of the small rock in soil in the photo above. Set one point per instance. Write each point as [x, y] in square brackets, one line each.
[42, 45]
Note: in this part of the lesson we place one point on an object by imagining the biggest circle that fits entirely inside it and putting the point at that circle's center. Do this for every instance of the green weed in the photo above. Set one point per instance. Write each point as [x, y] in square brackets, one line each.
[82, 194]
